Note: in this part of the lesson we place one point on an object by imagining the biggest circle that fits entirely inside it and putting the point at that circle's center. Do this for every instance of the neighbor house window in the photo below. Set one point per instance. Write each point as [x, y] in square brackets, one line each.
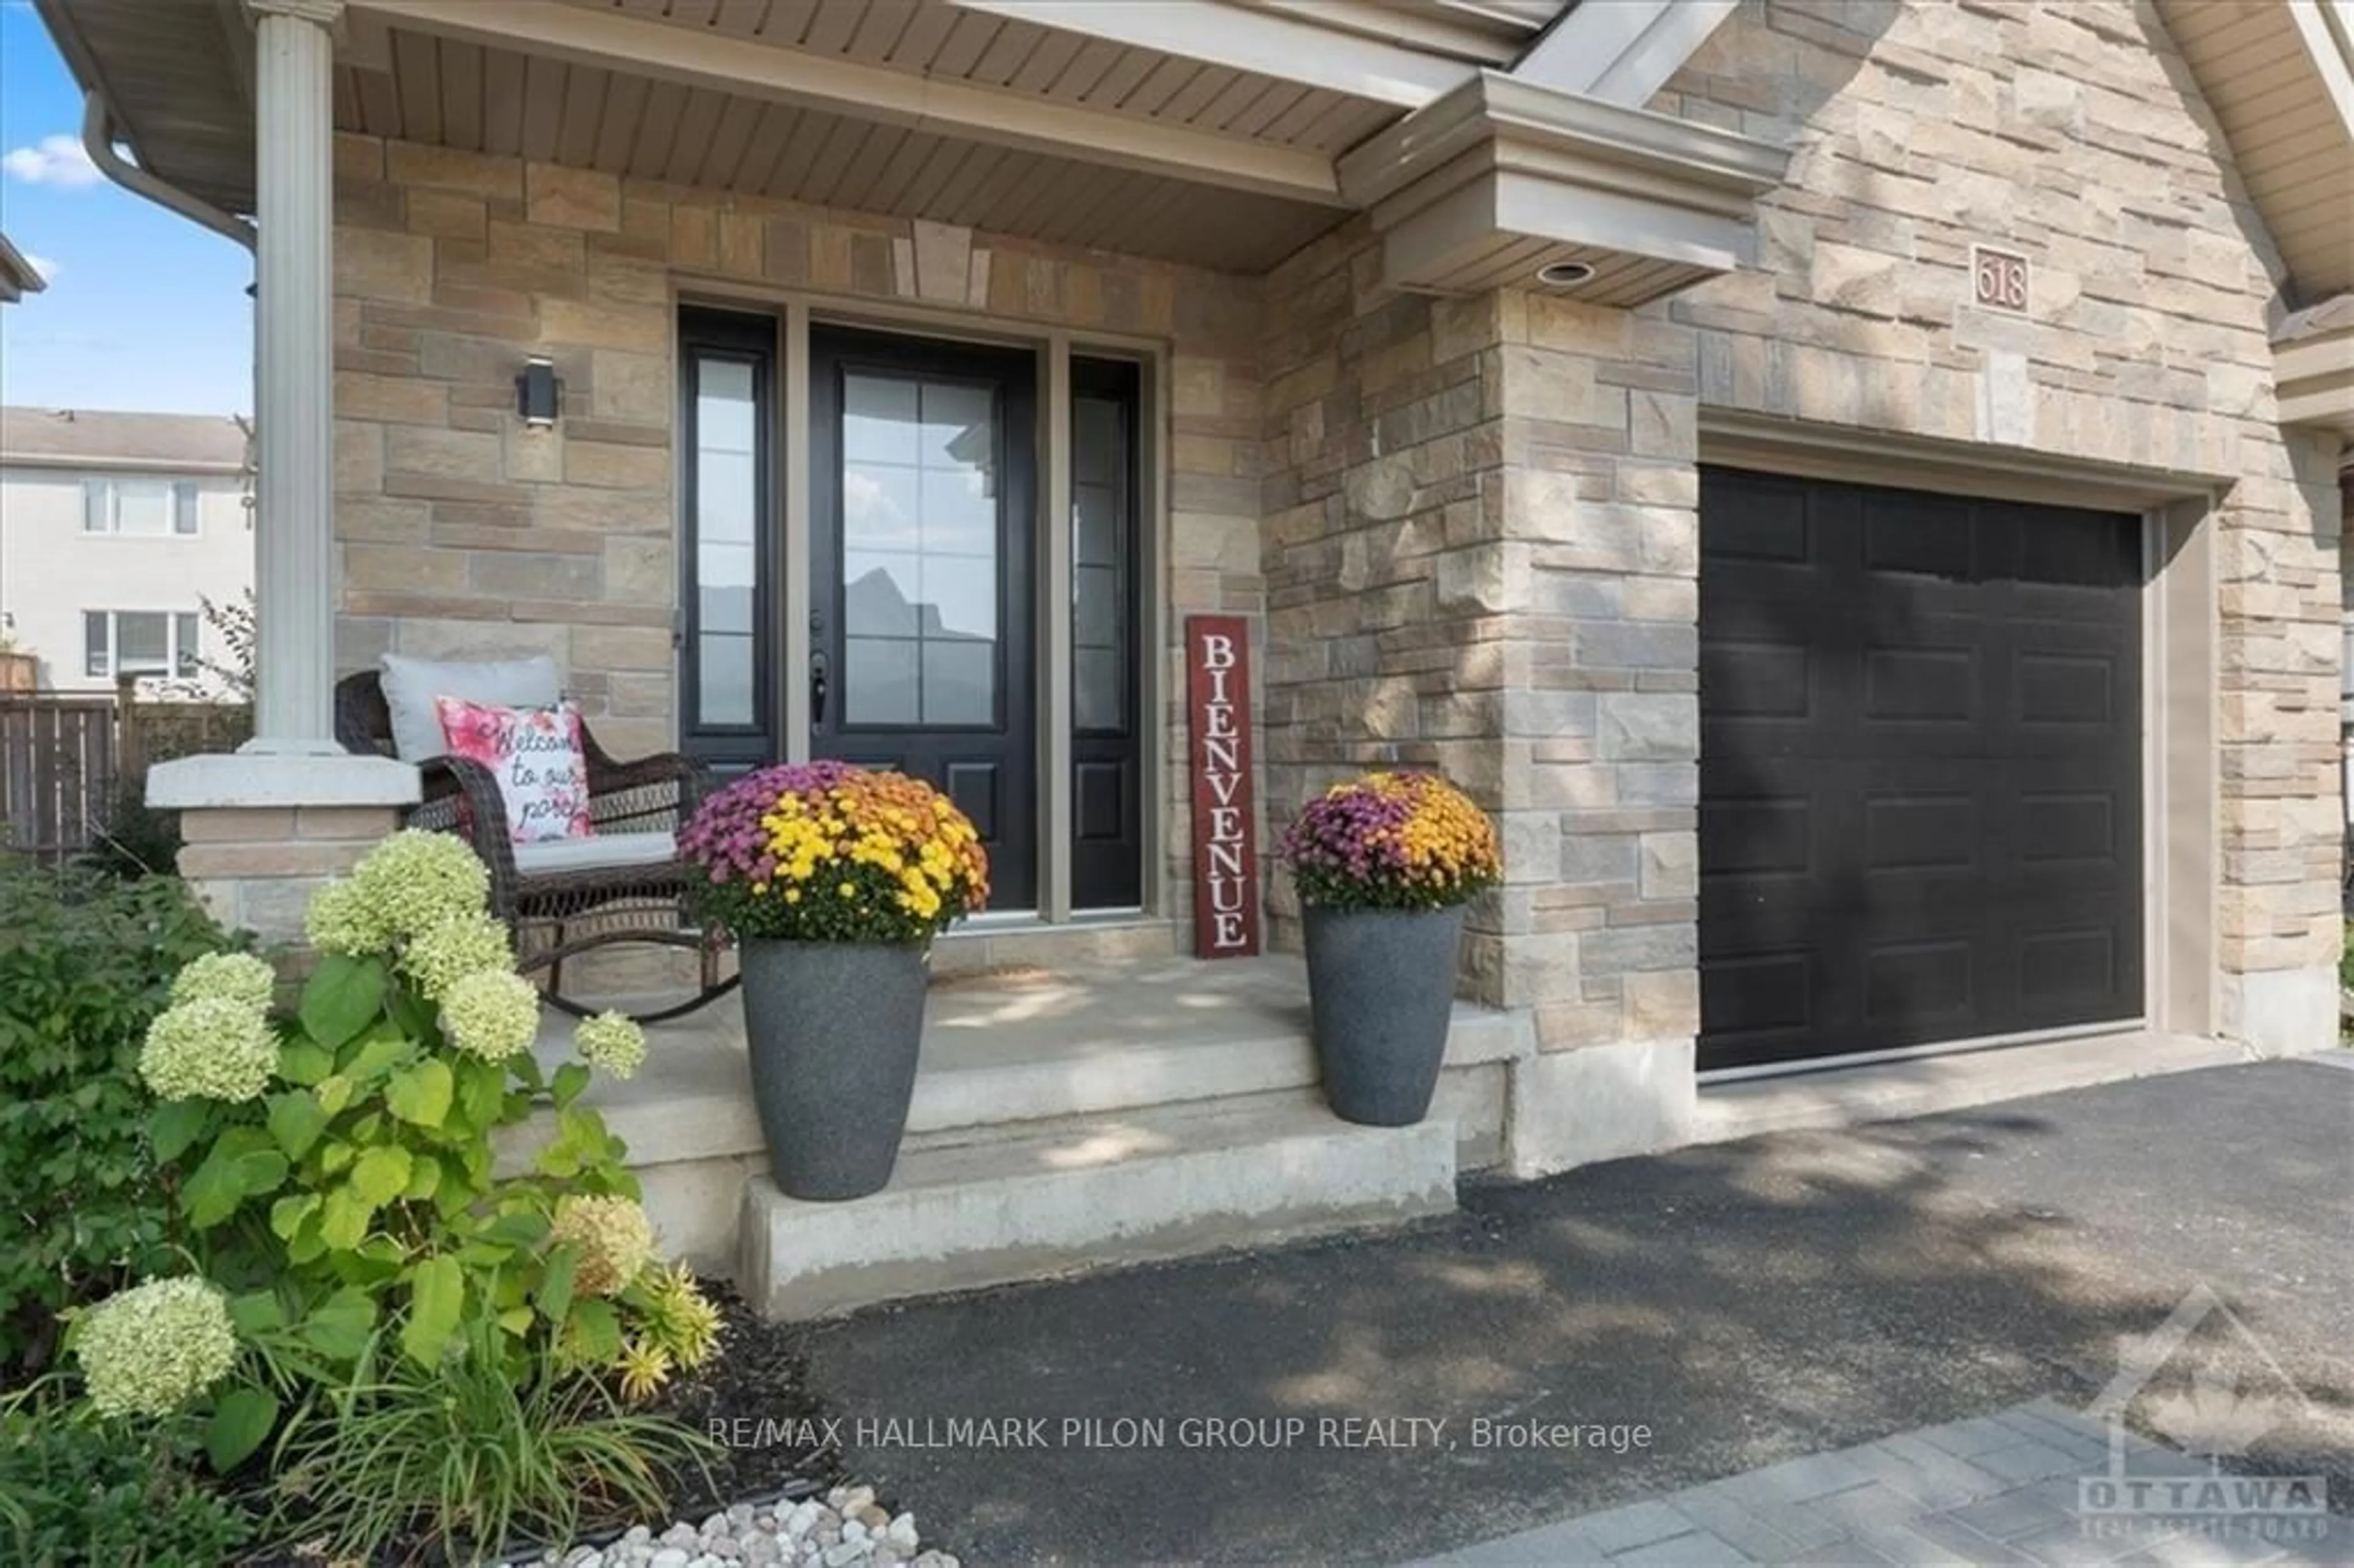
[139, 643]
[153, 507]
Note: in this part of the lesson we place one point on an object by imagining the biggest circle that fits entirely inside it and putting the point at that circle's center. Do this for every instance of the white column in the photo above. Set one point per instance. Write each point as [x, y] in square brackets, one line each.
[294, 585]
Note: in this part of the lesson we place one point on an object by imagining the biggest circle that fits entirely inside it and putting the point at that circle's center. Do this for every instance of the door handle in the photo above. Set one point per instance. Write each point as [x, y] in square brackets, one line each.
[817, 690]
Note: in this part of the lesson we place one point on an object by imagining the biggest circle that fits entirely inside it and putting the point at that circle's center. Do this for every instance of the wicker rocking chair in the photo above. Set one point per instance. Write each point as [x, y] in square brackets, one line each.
[564, 898]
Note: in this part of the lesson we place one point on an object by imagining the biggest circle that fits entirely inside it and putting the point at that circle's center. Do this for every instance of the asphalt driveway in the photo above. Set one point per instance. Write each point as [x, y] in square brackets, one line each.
[1743, 1304]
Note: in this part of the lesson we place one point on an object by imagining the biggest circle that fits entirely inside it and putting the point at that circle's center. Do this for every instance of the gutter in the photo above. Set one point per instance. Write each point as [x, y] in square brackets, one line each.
[98, 141]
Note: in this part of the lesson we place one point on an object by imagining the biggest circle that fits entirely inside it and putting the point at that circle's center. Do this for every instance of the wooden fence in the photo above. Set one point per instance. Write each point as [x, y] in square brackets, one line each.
[65, 762]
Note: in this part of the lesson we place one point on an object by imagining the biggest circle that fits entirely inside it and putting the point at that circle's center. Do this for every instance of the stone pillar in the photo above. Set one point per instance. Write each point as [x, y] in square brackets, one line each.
[261, 829]
[294, 586]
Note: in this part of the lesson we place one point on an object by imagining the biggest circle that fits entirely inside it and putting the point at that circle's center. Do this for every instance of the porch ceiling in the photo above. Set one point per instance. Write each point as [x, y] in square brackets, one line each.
[1225, 133]
[457, 92]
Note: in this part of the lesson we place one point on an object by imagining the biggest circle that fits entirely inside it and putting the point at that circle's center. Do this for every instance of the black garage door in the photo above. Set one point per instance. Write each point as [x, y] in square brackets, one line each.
[1920, 775]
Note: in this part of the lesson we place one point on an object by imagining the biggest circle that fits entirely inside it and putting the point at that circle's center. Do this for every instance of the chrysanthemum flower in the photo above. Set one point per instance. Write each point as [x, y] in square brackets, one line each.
[211, 1048]
[460, 946]
[149, 1350]
[491, 1013]
[611, 1041]
[614, 1239]
[234, 976]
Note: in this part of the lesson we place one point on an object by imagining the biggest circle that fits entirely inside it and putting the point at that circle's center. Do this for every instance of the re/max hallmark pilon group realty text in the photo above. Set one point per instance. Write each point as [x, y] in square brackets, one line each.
[969, 1432]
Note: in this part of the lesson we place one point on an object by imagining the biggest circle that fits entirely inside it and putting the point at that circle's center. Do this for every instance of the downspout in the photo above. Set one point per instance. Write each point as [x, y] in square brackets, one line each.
[98, 141]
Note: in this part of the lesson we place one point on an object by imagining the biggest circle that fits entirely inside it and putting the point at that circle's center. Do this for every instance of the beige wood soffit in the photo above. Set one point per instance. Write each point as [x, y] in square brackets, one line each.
[697, 58]
[1564, 176]
[1267, 42]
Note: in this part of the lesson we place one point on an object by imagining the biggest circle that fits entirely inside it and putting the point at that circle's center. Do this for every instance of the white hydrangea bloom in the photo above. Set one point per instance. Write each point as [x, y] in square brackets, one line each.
[210, 1048]
[460, 945]
[611, 1041]
[235, 977]
[491, 1013]
[415, 880]
[614, 1238]
[149, 1350]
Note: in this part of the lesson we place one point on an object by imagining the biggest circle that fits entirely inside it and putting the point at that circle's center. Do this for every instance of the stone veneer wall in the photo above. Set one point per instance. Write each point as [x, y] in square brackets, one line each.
[462, 534]
[1918, 128]
[1482, 546]
[1481, 552]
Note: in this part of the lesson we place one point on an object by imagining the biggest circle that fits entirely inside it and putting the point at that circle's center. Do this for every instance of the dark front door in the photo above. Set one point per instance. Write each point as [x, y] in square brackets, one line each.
[922, 458]
[1920, 780]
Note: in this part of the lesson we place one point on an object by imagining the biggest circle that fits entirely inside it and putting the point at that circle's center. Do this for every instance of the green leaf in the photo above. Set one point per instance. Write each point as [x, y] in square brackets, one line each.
[256, 1311]
[379, 1051]
[212, 1192]
[343, 1219]
[345, 996]
[381, 1174]
[242, 1419]
[570, 1079]
[302, 1061]
[596, 1328]
[260, 1172]
[287, 1214]
[436, 1302]
[338, 1328]
[481, 1091]
[516, 1322]
[421, 1094]
[296, 1120]
[516, 1230]
[174, 1125]
[554, 1297]
[336, 1155]
[424, 1179]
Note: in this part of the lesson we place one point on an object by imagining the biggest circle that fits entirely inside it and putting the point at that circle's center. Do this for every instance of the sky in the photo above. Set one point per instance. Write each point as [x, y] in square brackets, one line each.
[144, 310]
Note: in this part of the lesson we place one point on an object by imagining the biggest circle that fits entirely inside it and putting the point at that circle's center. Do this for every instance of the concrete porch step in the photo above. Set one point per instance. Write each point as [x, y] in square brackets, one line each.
[1122, 1034]
[1153, 1183]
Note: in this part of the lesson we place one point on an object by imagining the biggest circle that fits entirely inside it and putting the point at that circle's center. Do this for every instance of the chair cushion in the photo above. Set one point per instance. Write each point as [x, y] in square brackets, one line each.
[411, 685]
[537, 757]
[552, 855]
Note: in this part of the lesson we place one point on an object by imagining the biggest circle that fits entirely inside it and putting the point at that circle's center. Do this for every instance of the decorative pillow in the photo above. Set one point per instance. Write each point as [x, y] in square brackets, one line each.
[411, 685]
[535, 754]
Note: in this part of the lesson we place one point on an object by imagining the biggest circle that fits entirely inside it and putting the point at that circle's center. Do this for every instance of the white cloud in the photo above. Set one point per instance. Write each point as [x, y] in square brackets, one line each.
[47, 268]
[59, 160]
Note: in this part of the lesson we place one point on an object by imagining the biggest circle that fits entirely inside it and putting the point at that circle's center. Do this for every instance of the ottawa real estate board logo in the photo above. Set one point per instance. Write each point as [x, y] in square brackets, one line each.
[2210, 1386]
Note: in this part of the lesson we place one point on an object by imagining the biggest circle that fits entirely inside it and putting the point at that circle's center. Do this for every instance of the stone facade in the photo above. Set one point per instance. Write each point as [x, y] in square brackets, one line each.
[1470, 524]
[255, 868]
[462, 534]
[1481, 537]
[1920, 128]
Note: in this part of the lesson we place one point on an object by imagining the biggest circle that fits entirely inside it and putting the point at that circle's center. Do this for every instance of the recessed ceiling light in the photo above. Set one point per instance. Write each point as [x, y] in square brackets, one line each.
[1564, 274]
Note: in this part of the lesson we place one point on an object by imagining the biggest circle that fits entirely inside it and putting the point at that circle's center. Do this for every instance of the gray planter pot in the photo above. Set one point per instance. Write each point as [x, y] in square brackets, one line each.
[834, 1029]
[1381, 983]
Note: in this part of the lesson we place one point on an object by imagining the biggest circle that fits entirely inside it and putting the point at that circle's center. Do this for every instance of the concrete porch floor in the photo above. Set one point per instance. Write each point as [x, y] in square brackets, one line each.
[1202, 1071]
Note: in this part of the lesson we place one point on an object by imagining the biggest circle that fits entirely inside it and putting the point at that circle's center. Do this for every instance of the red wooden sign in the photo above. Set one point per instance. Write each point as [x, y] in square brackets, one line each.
[1225, 849]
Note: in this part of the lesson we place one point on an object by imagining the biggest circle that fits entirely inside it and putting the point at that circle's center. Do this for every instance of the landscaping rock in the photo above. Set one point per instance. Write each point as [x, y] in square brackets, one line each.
[845, 1527]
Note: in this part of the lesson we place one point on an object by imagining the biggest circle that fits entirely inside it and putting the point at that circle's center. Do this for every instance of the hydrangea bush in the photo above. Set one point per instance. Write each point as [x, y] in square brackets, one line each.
[334, 1171]
[824, 851]
[1393, 840]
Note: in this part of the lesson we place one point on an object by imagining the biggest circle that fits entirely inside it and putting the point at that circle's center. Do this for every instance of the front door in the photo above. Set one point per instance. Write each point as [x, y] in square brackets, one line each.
[920, 537]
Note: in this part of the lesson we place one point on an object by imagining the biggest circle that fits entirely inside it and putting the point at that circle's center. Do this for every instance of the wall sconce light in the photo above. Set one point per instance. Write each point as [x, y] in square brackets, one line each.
[539, 396]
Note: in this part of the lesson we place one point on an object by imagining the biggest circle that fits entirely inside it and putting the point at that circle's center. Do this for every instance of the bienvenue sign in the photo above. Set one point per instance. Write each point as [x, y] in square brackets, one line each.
[1226, 851]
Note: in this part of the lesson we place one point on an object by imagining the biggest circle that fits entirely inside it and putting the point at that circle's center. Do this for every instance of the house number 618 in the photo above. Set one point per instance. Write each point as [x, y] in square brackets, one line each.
[1998, 279]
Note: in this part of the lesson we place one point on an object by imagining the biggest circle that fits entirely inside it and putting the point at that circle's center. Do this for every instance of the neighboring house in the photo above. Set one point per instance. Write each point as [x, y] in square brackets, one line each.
[114, 529]
[18, 276]
[1822, 475]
